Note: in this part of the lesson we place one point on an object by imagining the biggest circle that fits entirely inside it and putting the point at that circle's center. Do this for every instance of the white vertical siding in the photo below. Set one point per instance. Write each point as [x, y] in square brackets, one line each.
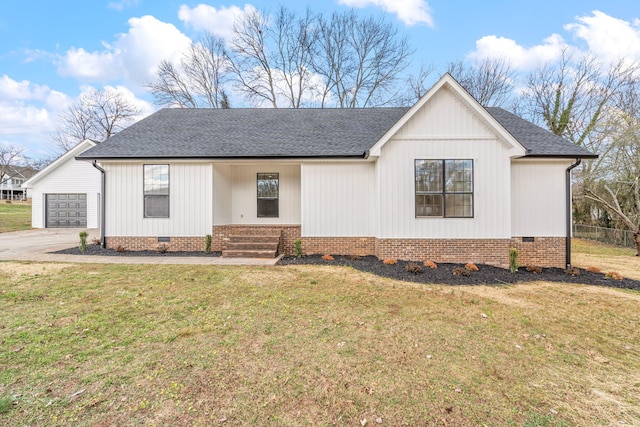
[244, 203]
[444, 115]
[444, 128]
[491, 195]
[539, 198]
[338, 199]
[73, 176]
[190, 201]
[222, 196]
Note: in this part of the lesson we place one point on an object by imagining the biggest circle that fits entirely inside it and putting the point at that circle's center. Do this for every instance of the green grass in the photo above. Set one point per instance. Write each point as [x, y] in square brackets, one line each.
[594, 248]
[14, 216]
[305, 345]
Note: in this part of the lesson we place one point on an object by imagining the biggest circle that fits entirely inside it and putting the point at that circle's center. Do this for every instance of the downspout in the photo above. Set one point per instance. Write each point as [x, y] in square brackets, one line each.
[103, 239]
[568, 191]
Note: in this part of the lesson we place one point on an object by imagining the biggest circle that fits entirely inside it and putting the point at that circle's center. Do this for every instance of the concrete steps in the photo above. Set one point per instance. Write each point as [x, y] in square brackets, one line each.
[248, 246]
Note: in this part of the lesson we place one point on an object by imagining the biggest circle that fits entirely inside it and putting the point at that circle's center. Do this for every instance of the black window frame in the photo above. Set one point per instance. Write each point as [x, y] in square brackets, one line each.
[147, 195]
[265, 205]
[443, 193]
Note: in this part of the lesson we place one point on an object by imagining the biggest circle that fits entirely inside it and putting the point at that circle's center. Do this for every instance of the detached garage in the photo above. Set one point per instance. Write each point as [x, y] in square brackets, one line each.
[66, 194]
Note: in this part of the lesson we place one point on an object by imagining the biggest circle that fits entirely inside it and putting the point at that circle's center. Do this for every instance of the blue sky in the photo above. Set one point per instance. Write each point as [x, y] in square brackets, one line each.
[52, 51]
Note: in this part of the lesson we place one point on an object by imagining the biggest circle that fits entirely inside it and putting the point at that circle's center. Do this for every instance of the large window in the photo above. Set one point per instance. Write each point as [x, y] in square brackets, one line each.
[444, 188]
[268, 184]
[156, 191]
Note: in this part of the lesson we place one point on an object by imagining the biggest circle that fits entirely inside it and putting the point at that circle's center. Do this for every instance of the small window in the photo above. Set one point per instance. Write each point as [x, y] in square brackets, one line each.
[444, 188]
[156, 191]
[268, 189]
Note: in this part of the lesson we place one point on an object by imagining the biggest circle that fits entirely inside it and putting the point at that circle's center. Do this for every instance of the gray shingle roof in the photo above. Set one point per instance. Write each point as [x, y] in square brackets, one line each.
[290, 133]
[539, 142]
[250, 133]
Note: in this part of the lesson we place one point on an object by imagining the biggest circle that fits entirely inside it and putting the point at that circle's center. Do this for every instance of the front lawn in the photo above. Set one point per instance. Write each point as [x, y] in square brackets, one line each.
[14, 216]
[309, 345]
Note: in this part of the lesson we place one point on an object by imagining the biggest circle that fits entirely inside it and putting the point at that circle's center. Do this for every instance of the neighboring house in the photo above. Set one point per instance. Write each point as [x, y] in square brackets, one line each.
[66, 193]
[445, 180]
[12, 180]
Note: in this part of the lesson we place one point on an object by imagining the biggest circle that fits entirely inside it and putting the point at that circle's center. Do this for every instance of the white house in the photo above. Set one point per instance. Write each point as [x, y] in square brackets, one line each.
[11, 182]
[445, 180]
[66, 194]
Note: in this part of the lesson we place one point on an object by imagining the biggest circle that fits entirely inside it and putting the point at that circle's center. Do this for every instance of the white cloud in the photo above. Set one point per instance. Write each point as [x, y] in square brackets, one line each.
[411, 12]
[521, 58]
[217, 21]
[133, 55]
[608, 38]
[29, 112]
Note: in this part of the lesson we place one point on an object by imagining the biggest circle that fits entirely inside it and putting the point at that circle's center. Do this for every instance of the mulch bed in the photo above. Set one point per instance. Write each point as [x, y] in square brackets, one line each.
[487, 275]
[99, 250]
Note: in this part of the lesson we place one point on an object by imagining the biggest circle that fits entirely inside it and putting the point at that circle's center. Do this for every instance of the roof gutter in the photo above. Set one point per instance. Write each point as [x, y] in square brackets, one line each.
[103, 239]
[568, 195]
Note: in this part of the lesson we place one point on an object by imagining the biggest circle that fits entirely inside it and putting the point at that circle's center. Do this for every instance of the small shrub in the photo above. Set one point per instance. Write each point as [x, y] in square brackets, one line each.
[460, 271]
[471, 267]
[414, 268]
[96, 241]
[207, 243]
[327, 257]
[120, 249]
[83, 241]
[162, 248]
[534, 269]
[593, 269]
[390, 261]
[614, 275]
[354, 257]
[297, 246]
[572, 271]
[430, 264]
[8, 202]
[513, 260]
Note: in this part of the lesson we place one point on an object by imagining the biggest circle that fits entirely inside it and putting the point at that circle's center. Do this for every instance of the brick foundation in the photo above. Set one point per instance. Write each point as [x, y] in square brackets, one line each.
[480, 251]
[542, 251]
[138, 243]
[361, 246]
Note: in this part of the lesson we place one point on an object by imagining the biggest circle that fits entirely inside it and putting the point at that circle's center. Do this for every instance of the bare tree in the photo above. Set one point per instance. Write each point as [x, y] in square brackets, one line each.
[489, 81]
[617, 189]
[10, 156]
[198, 80]
[271, 58]
[360, 60]
[417, 84]
[97, 115]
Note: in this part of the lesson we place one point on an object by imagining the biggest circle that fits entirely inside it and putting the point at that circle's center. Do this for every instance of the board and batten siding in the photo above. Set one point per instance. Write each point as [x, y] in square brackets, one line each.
[75, 177]
[338, 199]
[539, 197]
[444, 128]
[190, 201]
[244, 194]
[222, 195]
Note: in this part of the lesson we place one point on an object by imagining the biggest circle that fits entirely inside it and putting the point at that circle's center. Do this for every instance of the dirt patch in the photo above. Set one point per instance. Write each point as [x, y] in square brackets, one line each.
[17, 269]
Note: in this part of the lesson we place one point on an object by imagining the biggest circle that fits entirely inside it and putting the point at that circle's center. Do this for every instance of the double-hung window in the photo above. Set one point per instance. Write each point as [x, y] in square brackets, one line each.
[444, 188]
[156, 191]
[268, 195]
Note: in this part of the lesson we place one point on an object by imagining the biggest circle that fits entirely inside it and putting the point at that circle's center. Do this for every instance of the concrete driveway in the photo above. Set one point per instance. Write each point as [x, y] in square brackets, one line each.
[37, 245]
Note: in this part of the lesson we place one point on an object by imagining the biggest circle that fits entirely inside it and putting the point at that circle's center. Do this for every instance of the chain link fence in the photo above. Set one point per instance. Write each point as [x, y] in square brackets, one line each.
[612, 236]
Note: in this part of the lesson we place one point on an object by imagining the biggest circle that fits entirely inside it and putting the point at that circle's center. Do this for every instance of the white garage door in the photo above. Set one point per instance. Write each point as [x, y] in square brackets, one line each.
[66, 210]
